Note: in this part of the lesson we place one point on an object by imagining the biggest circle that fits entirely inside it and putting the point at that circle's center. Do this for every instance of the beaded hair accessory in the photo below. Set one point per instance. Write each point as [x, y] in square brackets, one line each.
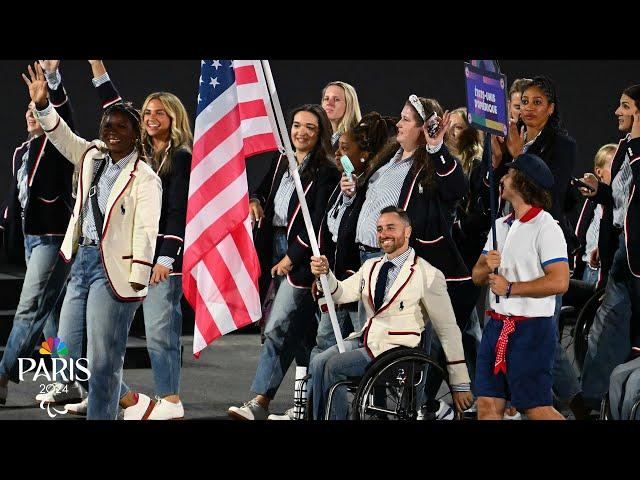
[418, 106]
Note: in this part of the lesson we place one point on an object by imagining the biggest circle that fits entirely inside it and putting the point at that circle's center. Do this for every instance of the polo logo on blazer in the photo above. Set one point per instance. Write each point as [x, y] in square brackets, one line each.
[122, 210]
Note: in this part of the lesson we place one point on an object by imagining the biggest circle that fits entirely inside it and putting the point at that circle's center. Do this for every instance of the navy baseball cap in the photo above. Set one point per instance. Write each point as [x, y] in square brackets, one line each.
[534, 169]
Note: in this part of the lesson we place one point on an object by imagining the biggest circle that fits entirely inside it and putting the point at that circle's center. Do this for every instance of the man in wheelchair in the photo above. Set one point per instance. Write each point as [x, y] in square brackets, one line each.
[400, 292]
[532, 268]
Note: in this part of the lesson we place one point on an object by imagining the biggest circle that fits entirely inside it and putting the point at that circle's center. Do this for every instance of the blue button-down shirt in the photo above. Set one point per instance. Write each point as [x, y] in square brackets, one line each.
[109, 176]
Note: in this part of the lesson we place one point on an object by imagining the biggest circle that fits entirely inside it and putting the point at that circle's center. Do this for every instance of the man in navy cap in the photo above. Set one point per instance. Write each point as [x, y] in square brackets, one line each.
[515, 360]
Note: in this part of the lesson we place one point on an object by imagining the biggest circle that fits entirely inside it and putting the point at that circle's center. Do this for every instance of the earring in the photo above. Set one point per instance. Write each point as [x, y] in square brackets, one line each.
[362, 160]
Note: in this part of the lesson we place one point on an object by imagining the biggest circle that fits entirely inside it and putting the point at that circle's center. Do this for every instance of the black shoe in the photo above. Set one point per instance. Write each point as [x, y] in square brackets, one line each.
[3, 390]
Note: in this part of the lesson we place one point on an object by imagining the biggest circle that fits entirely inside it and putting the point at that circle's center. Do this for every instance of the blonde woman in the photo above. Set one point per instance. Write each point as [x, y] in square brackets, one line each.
[340, 102]
[166, 147]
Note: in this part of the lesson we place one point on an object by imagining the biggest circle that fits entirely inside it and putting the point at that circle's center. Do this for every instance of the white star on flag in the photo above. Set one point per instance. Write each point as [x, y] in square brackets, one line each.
[214, 82]
[216, 64]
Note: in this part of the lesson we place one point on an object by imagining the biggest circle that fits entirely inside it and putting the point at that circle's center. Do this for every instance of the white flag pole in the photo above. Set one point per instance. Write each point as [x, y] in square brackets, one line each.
[293, 168]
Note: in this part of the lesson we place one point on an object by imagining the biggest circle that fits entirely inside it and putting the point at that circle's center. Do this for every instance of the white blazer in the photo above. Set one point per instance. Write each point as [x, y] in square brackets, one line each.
[132, 214]
[418, 294]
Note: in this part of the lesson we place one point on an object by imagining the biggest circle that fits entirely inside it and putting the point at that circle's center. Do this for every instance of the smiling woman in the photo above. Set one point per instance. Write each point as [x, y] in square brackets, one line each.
[284, 252]
[116, 211]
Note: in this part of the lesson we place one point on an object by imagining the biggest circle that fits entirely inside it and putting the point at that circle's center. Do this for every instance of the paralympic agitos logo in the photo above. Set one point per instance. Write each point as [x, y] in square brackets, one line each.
[64, 370]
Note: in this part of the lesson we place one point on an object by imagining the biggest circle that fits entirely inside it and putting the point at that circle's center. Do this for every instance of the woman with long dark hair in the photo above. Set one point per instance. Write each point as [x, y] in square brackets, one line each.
[614, 337]
[283, 252]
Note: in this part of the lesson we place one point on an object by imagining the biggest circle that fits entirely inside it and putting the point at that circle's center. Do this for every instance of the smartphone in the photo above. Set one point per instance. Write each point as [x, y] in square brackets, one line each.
[347, 166]
[433, 125]
[576, 182]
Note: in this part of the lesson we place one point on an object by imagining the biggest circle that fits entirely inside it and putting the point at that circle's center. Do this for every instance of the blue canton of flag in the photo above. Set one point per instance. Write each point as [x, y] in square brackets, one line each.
[216, 76]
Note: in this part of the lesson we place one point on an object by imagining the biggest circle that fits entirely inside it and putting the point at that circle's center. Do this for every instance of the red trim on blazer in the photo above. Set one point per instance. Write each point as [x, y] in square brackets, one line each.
[301, 242]
[457, 279]
[403, 333]
[54, 127]
[44, 200]
[66, 99]
[35, 167]
[127, 257]
[430, 242]
[108, 103]
[455, 164]
[15, 153]
[295, 212]
[413, 184]
[141, 262]
[171, 237]
[584, 207]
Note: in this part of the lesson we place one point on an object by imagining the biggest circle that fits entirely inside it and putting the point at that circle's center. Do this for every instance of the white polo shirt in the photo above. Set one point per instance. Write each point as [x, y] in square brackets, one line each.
[526, 247]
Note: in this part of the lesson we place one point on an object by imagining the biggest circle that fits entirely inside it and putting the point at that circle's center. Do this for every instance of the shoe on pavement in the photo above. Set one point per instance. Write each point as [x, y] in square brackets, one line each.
[288, 415]
[165, 410]
[251, 410]
[61, 393]
[78, 408]
[141, 409]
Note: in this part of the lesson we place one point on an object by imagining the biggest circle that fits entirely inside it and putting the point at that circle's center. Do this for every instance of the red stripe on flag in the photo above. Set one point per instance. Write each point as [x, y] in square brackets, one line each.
[252, 109]
[244, 243]
[213, 234]
[215, 184]
[257, 144]
[204, 321]
[246, 74]
[217, 134]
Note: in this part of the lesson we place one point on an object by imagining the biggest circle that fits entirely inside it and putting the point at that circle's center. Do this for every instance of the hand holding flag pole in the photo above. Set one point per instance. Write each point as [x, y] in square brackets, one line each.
[293, 168]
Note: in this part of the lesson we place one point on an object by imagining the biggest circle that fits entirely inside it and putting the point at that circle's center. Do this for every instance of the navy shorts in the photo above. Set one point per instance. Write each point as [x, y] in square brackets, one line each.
[530, 355]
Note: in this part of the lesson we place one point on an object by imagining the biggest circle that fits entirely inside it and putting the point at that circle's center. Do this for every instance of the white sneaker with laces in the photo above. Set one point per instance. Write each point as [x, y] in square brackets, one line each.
[165, 410]
[251, 410]
[141, 410]
[78, 408]
[288, 415]
[517, 416]
[61, 393]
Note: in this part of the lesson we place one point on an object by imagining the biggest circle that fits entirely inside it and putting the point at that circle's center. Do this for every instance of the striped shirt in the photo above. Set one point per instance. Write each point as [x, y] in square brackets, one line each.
[283, 195]
[383, 190]
[109, 176]
[592, 234]
[22, 178]
[621, 186]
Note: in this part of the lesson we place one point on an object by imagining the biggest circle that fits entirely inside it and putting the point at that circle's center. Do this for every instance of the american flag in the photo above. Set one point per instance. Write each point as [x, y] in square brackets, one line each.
[220, 268]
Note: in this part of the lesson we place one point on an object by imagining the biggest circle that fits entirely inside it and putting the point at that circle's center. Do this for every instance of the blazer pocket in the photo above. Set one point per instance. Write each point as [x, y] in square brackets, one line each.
[47, 201]
[127, 257]
[430, 242]
[402, 333]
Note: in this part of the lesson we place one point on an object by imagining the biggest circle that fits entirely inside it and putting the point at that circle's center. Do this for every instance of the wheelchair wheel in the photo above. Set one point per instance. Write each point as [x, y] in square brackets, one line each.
[583, 325]
[393, 388]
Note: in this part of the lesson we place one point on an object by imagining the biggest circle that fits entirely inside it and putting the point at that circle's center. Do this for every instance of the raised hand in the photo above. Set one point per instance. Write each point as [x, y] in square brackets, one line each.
[49, 66]
[515, 139]
[37, 85]
[496, 150]
[591, 180]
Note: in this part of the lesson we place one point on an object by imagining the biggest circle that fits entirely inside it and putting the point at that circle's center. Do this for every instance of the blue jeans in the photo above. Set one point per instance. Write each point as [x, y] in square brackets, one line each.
[42, 290]
[590, 275]
[325, 338]
[565, 379]
[609, 341]
[331, 367]
[289, 333]
[90, 301]
[624, 390]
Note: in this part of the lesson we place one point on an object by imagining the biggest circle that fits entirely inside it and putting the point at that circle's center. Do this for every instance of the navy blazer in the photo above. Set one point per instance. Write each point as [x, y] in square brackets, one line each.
[432, 213]
[175, 193]
[49, 186]
[608, 239]
[317, 190]
[586, 216]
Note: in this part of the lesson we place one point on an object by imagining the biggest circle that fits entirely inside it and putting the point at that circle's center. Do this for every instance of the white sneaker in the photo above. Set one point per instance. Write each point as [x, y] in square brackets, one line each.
[61, 393]
[288, 415]
[445, 412]
[78, 408]
[517, 416]
[141, 410]
[165, 410]
[251, 410]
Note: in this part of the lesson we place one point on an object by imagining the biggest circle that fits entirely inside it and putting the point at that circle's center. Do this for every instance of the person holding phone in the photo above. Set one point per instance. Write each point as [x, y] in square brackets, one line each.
[616, 326]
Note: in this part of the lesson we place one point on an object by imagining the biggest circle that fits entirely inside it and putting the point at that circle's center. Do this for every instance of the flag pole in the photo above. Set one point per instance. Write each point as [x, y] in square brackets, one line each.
[293, 168]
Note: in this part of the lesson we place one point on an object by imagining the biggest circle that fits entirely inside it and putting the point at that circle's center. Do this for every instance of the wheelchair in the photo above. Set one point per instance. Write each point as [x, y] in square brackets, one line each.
[605, 409]
[394, 387]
